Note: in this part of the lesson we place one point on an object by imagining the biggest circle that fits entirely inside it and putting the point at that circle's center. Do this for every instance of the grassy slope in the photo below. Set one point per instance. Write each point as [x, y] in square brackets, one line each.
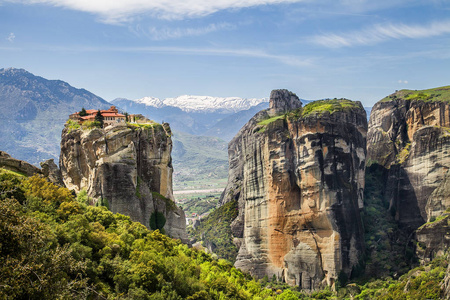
[440, 94]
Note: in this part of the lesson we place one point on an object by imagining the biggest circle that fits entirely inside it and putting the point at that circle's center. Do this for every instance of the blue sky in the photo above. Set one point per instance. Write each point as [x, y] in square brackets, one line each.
[358, 49]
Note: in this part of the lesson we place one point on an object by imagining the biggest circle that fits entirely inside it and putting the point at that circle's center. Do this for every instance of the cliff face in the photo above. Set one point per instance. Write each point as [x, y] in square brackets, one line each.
[127, 168]
[409, 136]
[298, 177]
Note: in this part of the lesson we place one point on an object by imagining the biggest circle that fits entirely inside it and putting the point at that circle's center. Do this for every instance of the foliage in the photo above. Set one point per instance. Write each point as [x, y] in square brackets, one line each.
[83, 197]
[88, 125]
[149, 125]
[443, 218]
[419, 283]
[99, 118]
[157, 221]
[72, 125]
[10, 185]
[331, 106]
[403, 155]
[170, 205]
[215, 230]
[82, 112]
[270, 120]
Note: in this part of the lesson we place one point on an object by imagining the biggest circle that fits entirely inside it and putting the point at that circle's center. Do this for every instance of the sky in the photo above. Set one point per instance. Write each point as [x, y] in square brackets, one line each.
[356, 49]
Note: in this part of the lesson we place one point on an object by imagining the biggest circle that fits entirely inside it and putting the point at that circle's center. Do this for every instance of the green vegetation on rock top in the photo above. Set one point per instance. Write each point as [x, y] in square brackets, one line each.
[144, 125]
[331, 106]
[270, 120]
[440, 94]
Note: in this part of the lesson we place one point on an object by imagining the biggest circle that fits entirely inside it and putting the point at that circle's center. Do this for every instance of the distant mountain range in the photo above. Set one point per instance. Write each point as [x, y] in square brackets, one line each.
[203, 104]
[197, 115]
[33, 111]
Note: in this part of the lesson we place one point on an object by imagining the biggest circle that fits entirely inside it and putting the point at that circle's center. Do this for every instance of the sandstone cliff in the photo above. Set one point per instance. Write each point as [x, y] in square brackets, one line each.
[409, 136]
[127, 168]
[298, 176]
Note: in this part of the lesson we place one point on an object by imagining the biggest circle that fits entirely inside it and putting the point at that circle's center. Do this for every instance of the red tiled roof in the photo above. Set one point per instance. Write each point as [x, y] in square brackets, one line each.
[109, 114]
[91, 117]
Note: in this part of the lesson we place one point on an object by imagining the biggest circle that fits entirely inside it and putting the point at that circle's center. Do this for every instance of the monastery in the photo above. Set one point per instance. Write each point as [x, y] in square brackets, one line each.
[110, 116]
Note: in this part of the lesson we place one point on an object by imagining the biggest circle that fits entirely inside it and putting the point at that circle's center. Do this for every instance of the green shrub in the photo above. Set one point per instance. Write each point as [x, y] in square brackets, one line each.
[157, 221]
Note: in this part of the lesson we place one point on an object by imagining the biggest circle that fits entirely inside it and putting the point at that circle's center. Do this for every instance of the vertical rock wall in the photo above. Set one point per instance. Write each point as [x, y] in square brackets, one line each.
[409, 136]
[299, 182]
[411, 140]
[128, 168]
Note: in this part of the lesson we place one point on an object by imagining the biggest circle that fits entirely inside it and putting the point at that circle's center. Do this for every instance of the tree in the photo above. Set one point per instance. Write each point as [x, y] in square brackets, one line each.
[99, 118]
[83, 112]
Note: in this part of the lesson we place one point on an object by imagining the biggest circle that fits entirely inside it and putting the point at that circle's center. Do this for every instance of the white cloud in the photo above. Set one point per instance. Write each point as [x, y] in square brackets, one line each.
[290, 60]
[403, 81]
[381, 33]
[114, 11]
[11, 37]
[175, 33]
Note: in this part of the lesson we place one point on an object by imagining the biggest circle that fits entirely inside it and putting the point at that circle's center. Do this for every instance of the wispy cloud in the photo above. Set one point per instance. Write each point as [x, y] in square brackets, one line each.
[116, 11]
[11, 37]
[290, 60]
[167, 33]
[382, 33]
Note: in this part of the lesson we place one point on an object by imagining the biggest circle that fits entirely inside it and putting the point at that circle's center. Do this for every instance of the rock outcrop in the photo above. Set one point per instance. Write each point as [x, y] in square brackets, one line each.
[52, 172]
[16, 165]
[127, 168]
[409, 135]
[433, 238]
[298, 176]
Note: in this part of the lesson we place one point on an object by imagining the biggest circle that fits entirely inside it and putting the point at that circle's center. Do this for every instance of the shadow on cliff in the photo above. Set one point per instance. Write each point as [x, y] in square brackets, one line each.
[390, 216]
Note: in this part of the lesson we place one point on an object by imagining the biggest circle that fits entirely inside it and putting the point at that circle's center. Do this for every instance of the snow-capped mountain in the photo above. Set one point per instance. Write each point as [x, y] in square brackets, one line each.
[205, 104]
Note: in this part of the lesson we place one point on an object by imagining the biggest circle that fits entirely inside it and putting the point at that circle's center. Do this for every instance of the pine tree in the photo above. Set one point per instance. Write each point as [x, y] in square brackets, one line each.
[83, 112]
[99, 118]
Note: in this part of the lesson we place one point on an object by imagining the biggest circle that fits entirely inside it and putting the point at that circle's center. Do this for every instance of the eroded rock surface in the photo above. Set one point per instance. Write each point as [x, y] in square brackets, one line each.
[299, 182]
[433, 239]
[128, 168]
[52, 172]
[409, 136]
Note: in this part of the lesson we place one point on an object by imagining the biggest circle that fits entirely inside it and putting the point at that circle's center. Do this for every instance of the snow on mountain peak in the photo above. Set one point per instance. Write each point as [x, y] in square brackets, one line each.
[190, 103]
[150, 101]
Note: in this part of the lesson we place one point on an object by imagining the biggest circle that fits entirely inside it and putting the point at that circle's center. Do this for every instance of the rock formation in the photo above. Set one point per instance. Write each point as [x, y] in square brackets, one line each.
[16, 165]
[298, 176]
[127, 168]
[409, 136]
[52, 172]
[433, 239]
